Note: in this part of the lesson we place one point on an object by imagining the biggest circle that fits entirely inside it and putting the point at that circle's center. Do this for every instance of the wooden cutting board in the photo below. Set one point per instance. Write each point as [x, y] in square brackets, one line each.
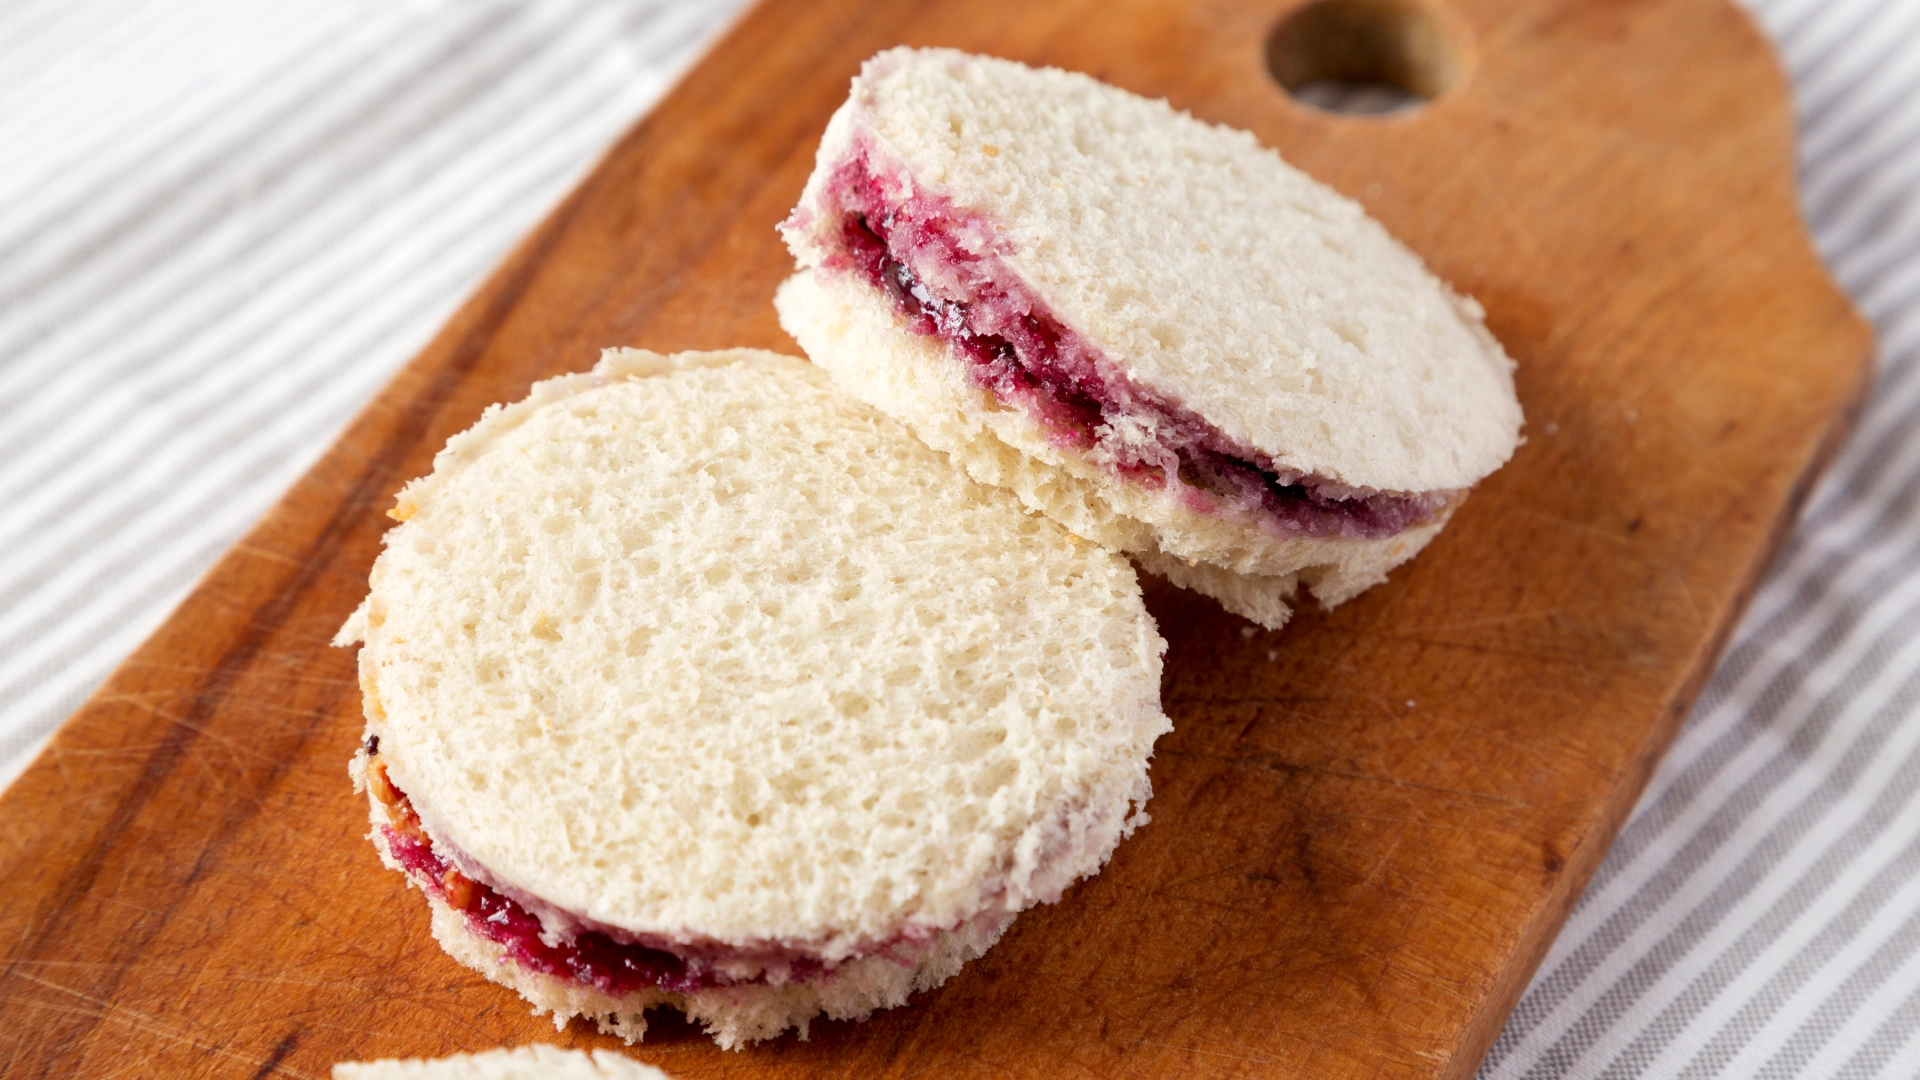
[1366, 829]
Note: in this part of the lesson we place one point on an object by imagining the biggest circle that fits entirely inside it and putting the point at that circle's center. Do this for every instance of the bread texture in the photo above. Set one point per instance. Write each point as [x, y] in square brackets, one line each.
[852, 332]
[1204, 268]
[700, 653]
[532, 1062]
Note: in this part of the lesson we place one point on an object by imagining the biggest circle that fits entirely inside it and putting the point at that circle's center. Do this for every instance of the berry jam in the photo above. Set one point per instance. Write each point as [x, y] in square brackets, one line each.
[946, 278]
[590, 958]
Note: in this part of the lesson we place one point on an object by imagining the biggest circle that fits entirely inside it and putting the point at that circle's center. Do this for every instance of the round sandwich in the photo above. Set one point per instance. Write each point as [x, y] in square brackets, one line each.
[1150, 328]
[696, 682]
[533, 1062]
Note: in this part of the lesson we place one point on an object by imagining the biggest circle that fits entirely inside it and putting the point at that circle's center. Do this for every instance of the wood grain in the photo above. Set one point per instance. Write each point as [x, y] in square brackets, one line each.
[1366, 828]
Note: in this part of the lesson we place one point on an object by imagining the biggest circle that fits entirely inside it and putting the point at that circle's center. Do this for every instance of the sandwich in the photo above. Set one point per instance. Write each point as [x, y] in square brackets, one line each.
[694, 682]
[533, 1062]
[1149, 328]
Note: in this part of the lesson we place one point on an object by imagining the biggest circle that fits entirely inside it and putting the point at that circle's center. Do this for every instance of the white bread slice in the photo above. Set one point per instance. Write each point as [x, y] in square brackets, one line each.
[851, 331]
[531, 1062]
[733, 1015]
[1198, 264]
[697, 652]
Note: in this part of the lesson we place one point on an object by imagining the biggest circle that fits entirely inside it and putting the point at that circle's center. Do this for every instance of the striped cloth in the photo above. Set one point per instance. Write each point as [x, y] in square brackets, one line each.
[223, 224]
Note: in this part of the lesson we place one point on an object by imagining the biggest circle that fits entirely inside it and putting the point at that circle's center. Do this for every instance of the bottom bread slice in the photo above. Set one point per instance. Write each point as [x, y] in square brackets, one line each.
[853, 332]
[733, 1015]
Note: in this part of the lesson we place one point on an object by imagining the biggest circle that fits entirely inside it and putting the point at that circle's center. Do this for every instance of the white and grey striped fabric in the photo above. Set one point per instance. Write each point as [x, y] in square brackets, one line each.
[224, 223]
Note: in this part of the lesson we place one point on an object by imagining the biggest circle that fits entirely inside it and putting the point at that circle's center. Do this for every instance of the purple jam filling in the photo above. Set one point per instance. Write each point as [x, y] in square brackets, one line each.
[946, 274]
[590, 958]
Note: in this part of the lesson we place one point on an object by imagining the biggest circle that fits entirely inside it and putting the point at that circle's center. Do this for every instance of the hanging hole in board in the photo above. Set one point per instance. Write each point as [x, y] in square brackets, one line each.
[1363, 57]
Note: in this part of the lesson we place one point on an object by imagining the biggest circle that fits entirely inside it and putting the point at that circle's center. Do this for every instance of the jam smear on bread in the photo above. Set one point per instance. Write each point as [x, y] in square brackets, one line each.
[589, 958]
[939, 267]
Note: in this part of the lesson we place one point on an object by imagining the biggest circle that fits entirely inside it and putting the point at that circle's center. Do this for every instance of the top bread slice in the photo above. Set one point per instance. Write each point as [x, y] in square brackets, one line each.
[1209, 268]
[531, 1062]
[698, 650]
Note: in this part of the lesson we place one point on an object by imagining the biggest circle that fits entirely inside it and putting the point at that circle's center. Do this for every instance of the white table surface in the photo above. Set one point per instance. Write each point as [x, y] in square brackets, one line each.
[225, 223]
